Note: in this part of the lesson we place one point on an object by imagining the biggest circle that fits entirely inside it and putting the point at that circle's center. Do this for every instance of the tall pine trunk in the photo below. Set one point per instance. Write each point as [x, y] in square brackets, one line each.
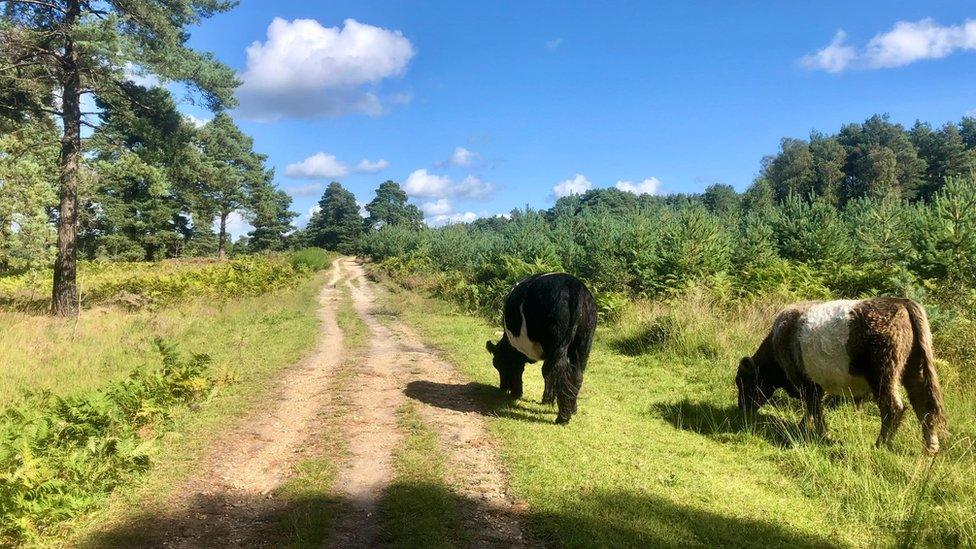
[222, 238]
[64, 295]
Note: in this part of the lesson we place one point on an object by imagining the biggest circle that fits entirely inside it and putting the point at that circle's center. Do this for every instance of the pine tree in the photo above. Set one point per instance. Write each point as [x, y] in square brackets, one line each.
[28, 170]
[229, 171]
[271, 219]
[337, 225]
[79, 47]
[390, 207]
[135, 211]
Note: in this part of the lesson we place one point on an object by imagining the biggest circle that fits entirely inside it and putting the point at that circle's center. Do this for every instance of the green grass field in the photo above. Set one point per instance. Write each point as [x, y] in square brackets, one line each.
[657, 456]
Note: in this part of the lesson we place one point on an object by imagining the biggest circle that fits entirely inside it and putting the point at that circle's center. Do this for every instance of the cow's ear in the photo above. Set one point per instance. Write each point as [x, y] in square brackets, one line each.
[490, 346]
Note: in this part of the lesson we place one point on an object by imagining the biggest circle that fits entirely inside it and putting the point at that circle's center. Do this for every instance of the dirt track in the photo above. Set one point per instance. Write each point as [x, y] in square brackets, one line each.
[228, 503]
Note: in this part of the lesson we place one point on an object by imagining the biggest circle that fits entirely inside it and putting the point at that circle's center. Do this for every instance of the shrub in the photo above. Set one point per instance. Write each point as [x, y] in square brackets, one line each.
[310, 259]
[59, 456]
[161, 283]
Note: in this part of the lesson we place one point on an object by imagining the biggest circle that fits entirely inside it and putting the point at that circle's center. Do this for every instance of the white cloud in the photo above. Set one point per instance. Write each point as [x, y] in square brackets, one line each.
[452, 219]
[140, 76]
[237, 225]
[427, 185]
[833, 58]
[906, 43]
[365, 166]
[306, 70]
[577, 185]
[326, 166]
[318, 166]
[423, 184]
[440, 212]
[651, 185]
[473, 187]
[438, 207]
[553, 44]
[462, 157]
[312, 189]
[197, 122]
[971, 113]
[363, 212]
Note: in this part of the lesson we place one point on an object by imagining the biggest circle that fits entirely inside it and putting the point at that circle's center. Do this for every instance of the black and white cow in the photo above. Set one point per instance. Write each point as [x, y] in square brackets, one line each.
[549, 317]
[849, 347]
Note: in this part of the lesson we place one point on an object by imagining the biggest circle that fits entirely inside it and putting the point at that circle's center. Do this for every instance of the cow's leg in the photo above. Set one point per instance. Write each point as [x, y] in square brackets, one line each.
[549, 392]
[891, 407]
[887, 362]
[566, 382]
[566, 395]
[924, 396]
[515, 384]
[813, 419]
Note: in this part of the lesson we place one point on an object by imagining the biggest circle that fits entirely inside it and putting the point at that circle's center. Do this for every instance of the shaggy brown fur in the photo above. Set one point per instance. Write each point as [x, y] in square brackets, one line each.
[888, 344]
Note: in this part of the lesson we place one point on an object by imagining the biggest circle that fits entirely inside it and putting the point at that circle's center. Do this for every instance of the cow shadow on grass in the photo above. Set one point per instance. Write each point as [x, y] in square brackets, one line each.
[474, 397]
[724, 422]
[406, 518]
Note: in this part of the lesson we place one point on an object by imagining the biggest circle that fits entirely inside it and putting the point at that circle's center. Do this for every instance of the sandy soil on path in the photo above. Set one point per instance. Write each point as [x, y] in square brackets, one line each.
[228, 504]
[446, 403]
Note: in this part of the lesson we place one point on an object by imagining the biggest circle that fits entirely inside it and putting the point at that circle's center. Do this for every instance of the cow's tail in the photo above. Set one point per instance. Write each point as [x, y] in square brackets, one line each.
[575, 349]
[928, 392]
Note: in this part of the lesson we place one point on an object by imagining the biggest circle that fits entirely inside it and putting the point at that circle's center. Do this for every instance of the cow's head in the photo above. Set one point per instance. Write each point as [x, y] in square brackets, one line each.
[510, 365]
[754, 390]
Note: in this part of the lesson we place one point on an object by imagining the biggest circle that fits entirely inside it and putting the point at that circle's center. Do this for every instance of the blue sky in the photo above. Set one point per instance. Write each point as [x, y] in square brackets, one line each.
[479, 108]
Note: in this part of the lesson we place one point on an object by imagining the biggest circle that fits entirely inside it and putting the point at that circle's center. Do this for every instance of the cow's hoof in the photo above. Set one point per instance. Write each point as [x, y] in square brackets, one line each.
[516, 394]
[562, 420]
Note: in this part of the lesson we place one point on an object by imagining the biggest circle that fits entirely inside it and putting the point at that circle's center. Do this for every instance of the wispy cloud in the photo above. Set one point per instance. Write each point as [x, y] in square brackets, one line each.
[365, 166]
[318, 166]
[835, 57]
[323, 165]
[554, 44]
[312, 189]
[423, 184]
[907, 42]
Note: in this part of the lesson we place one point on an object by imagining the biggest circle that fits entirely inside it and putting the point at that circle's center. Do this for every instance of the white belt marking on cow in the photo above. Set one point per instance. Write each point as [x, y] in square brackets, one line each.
[522, 343]
[823, 332]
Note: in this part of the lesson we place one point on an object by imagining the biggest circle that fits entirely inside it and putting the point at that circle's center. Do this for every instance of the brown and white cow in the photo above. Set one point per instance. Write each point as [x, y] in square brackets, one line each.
[849, 347]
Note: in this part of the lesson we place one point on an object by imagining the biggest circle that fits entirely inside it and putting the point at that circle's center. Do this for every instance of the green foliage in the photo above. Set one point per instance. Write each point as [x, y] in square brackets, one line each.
[28, 172]
[336, 225]
[60, 456]
[144, 284]
[812, 231]
[947, 232]
[873, 159]
[390, 208]
[310, 259]
[693, 245]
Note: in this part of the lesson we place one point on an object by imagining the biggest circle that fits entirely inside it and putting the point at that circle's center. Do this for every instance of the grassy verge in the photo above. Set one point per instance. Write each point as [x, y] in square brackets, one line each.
[248, 340]
[658, 457]
[310, 507]
[207, 306]
[417, 509]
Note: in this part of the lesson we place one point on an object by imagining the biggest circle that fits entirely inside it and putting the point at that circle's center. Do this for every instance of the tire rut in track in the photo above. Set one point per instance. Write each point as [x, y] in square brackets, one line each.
[228, 503]
[400, 363]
